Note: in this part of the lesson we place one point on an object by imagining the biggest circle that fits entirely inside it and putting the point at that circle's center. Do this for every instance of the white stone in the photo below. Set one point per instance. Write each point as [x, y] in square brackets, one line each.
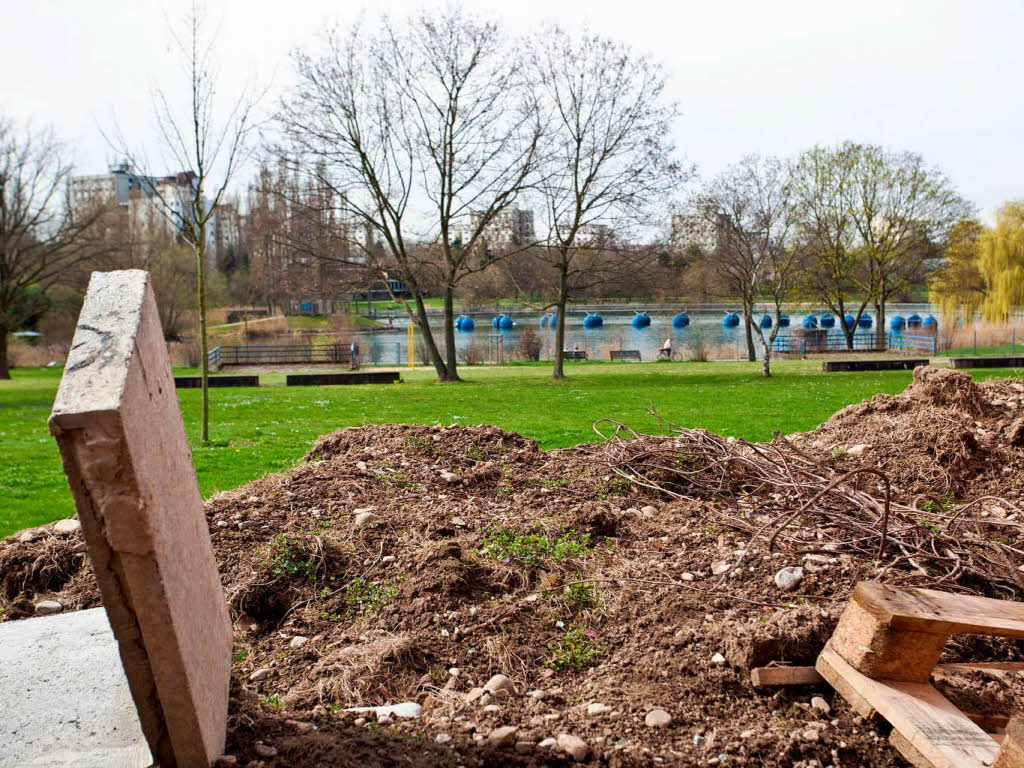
[70, 525]
[547, 743]
[820, 705]
[259, 674]
[459, 522]
[859, 450]
[298, 641]
[28, 536]
[718, 659]
[499, 683]
[657, 718]
[442, 738]
[49, 607]
[720, 567]
[503, 736]
[789, 578]
[264, 750]
[687, 576]
[454, 671]
[366, 518]
[574, 746]
[406, 709]
[598, 709]
[449, 477]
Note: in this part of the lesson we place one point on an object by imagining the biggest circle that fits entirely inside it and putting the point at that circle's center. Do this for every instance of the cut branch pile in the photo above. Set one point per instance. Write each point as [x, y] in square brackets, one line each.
[784, 499]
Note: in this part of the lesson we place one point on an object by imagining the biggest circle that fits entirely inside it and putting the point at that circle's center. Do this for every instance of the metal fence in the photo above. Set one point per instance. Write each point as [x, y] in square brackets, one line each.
[266, 354]
[835, 341]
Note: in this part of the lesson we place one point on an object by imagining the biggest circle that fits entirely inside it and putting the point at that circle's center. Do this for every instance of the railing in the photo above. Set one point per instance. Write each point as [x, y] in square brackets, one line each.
[914, 342]
[265, 354]
[213, 357]
[835, 341]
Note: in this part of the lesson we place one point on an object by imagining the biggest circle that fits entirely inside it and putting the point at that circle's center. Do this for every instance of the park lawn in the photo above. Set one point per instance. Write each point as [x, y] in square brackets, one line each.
[255, 431]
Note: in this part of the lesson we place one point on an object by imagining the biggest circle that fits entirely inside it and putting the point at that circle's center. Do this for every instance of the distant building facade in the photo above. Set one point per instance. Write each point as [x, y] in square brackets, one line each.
[699, 230]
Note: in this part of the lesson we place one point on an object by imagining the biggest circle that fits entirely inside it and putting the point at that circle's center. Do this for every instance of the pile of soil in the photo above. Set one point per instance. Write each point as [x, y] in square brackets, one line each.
[416, 564]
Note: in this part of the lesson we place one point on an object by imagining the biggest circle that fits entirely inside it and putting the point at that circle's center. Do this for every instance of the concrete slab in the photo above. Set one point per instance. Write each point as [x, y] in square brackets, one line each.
[67, 701]
[127, 460]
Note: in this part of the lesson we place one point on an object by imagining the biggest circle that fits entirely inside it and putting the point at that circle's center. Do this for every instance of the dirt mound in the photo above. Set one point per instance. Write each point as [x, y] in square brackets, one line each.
[414, 563]
[944, 436]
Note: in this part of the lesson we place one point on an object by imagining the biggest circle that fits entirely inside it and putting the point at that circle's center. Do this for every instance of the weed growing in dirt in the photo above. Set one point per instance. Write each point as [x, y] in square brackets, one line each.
[240, 654]
[365, 597]
[558, 482]
[274, 700]
[507, 545]
[288, 557]
[616, 486]
[396, 480]
[580, 594]
[578, 649]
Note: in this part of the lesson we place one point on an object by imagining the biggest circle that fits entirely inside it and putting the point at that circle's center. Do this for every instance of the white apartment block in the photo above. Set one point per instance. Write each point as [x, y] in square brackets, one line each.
[691, 229]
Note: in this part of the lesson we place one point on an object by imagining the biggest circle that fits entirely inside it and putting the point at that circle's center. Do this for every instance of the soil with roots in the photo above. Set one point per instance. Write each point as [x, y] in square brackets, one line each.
[415, 563]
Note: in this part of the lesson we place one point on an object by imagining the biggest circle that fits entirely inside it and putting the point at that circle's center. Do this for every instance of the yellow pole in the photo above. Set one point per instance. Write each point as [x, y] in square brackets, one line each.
[412, 345]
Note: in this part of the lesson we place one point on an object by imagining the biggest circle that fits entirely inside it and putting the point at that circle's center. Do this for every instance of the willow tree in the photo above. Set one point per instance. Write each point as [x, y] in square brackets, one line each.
[1001, 263]
[958, 288]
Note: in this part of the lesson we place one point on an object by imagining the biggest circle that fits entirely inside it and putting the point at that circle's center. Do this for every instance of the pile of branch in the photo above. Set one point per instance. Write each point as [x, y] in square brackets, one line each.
[787, 500]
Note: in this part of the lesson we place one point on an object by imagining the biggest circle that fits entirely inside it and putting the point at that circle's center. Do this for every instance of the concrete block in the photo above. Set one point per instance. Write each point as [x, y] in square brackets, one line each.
[127, 459]
[68, 702]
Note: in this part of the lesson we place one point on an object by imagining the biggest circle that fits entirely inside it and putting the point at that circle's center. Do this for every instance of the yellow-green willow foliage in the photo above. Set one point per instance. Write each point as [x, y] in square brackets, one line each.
[1001, 263]
[957, 288]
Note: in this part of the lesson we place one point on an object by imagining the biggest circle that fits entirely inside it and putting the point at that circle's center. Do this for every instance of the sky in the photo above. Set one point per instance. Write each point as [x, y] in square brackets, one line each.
[941, 78]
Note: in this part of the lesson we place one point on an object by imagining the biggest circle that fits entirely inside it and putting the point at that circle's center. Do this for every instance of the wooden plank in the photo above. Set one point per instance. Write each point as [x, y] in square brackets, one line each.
[763, 677]
[940, 735]
[941, 613]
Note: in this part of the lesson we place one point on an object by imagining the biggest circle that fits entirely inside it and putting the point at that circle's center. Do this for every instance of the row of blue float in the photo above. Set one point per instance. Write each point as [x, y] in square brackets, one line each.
[729, 320]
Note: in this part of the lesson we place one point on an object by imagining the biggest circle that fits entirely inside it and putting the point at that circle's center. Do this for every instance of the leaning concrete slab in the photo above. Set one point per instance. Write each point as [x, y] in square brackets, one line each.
[123, 444]
[67, 699]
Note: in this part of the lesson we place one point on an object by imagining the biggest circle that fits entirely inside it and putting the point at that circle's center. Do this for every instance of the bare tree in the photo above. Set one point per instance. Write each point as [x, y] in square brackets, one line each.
[752, 207]
[901, 210]
[837, 270]
[609, 166]
[42, 238]
[432, 112]
[208, 138]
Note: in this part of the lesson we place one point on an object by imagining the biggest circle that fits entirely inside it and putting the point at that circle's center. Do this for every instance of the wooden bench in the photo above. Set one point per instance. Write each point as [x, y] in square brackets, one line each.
[625, 354]
[987, 362]
[836, 366]
[574, 354]
[195, 382]
[881, 658]
[331, 379]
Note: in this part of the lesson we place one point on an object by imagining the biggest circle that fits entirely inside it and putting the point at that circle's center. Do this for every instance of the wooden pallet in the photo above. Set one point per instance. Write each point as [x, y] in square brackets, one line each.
[881, 658]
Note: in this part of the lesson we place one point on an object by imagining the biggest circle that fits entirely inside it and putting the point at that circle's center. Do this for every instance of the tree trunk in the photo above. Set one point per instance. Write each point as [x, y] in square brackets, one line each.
[5, 368]
[204, 359]
[880, 340]
[563, 294]
[748, 316]
[451, 366]
[766, 363]
[428, 338]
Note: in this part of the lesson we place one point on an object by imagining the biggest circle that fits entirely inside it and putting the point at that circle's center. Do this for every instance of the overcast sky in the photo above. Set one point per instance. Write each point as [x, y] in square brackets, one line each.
[942, 78]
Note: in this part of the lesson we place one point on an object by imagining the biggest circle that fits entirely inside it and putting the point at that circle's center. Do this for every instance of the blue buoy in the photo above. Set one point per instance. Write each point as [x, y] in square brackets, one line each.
[731, 320]
[783, 321]
[809, 322]
[641, 320]
[593, 320]
[458, 322]
[865, 321]
[544, 321]
[850, 320]
[496, 321]
[827, 321]
[468, 324]
[766, 321]
[506, 323]
[680, 320]
[914, 321]
[930, 322]
[898, 323]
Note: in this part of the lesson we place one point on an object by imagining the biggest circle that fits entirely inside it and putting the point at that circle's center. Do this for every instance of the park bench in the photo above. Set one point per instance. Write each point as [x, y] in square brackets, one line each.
[881, 658]
[574, 354]
[625, 354]
[196, 382]
[331, 379]
[987, 362]
[832, 366]
[126, 456]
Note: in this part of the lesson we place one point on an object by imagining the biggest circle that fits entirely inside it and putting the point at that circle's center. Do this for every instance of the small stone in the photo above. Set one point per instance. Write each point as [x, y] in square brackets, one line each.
[499, 683]
[298, 641]
[789, 578]
[264, 750]
[821, 705]
[548, 743]
[720, 567]
[747, 735]
[859, 450]
[384, 720]
[810, 735]
[649, 511]
[28, 536]
[70, 525]
[49, 607]
[388, 559]
[574, 746]
[301, 725]
[524, 747]
[598, 709]
[454, 671]
[657, 718]
[442, 738]
[366, 518]
[449, 477]
[458, 522]
[687, 576]
[718, 659]
[698, 739]
[492, 708]
[501, 737]
[225, 761]
[259, 674]
[474, 694]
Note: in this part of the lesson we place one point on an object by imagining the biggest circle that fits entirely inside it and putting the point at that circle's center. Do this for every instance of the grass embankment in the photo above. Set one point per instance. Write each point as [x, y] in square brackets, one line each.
[262, 430]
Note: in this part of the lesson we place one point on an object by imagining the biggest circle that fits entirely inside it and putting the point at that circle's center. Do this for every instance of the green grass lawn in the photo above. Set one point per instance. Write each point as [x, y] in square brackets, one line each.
[262, 430]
